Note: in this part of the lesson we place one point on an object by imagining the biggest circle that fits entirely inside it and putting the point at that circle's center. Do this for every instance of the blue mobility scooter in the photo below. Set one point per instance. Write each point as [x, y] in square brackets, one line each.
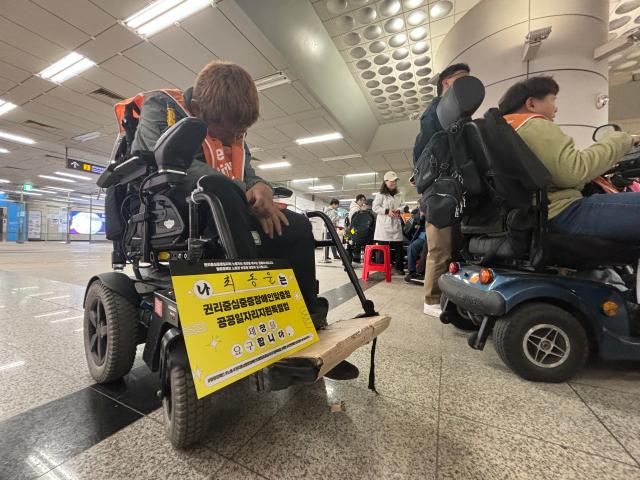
[547, 299]
[153, 220]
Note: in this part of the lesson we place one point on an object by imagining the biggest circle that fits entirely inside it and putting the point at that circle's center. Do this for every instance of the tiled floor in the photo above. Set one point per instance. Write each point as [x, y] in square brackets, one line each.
[443, 410]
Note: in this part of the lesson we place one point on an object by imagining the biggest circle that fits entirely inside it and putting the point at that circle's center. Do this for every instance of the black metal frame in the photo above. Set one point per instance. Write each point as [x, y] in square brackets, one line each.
[367, 305]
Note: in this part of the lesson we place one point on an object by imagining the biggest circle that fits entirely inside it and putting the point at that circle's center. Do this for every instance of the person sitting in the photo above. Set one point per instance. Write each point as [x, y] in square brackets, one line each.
[225, 97]
[529, 107]
[361, 230]
[357, 205]
[414, 252]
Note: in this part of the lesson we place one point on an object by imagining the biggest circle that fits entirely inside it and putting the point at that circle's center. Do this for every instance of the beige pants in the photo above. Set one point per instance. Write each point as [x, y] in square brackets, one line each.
[440, 244]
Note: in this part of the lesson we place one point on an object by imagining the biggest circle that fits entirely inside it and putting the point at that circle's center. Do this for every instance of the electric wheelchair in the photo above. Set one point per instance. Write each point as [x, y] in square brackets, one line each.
[547, 299]
[153, 219]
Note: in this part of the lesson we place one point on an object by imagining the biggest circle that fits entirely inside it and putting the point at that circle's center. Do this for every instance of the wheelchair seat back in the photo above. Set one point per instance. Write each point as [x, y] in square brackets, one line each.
[505, 224]
[146, 204]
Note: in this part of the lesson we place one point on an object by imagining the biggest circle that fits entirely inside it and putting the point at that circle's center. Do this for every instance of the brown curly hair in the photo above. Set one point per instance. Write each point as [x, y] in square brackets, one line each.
[226, 94]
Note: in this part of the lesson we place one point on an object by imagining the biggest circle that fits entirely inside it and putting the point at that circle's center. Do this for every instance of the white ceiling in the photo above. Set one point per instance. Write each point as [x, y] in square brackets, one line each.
[624, 15]
[36, 33]
[392, 63]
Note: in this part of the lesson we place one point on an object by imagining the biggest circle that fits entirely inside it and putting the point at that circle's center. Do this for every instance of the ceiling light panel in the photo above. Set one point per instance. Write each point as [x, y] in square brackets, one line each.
[320, 138]
[6, 107]
[387, 46]
[51, 177]
[72, 175]
[164, 13]
[266, 166]
[66, 68]
[16, 138]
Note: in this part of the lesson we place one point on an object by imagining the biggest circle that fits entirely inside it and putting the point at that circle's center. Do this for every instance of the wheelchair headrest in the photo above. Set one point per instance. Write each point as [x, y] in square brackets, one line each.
[461, 101]
[177, 146]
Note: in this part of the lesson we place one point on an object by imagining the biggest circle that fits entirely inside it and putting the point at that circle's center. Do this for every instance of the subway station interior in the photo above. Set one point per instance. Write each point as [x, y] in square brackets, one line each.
[319, 239]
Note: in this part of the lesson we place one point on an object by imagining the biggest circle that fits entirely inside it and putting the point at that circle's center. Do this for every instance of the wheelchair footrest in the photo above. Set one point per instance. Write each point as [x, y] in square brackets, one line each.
[341, 339]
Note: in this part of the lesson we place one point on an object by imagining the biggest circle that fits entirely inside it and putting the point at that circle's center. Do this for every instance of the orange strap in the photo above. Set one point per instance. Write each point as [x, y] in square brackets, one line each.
[517, 120]
[227, 160]
[605, 185]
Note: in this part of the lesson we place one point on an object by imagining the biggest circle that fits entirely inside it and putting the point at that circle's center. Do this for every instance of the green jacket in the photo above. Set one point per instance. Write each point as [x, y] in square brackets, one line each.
[571, 168]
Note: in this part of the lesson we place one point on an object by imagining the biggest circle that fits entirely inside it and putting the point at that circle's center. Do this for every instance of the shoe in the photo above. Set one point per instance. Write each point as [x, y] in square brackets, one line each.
[410, 276]
[337, 258]
[398, 272]
[432, 310]
[327, 260]
[319, 317]
[343, 371]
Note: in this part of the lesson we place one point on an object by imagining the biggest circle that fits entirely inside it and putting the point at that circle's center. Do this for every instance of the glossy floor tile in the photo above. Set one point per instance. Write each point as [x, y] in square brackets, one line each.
[442, 410]
[337, 431]
[619, 412]
[40, 439]
[26, 384]
[139, 451]
[492, 394]
[473, 451]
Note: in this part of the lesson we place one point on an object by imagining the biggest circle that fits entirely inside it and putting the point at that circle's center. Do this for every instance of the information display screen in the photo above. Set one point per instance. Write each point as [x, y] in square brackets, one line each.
[85, 223]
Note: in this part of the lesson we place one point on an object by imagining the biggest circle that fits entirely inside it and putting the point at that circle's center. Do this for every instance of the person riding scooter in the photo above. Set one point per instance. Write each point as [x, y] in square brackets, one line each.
[225, 97]
[529, 107]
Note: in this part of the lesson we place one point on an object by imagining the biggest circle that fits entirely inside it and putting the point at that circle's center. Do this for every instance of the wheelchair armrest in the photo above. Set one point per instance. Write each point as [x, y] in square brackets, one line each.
[136, 166]
[282, 192]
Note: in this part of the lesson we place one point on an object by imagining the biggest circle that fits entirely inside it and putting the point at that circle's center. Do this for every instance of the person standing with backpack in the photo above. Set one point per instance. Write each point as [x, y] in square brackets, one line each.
[360, 232]
[439, 240]
[387, 205]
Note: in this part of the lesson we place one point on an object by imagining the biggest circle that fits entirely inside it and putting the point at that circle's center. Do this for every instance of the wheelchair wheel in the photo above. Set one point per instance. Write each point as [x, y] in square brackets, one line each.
[541, 342]
[110, 333]
[185, 417]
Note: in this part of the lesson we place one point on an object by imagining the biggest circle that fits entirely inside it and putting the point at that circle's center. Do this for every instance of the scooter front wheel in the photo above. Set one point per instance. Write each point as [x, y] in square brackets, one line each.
[541, 342]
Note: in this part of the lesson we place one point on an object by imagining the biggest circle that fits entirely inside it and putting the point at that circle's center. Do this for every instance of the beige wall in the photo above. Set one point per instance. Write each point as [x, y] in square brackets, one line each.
[490, 38]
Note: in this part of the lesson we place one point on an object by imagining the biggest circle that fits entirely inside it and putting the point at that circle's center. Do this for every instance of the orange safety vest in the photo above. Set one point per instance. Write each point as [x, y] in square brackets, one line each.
[517, 120]
[227, 160]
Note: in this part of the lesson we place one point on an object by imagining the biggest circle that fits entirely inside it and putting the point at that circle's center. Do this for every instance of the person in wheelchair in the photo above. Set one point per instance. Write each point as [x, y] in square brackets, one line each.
[529, 107]
[225, 97]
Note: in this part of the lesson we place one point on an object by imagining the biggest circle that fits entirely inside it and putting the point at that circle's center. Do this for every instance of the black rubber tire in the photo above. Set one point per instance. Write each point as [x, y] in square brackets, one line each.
[509, 333]
[185, 417]
[121, 318]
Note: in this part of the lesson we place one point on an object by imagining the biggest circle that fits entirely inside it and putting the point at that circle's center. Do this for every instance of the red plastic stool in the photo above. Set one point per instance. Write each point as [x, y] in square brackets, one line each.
[370, 266]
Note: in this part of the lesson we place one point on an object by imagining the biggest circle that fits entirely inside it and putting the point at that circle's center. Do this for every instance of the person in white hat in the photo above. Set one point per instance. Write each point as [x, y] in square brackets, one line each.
[387, 205]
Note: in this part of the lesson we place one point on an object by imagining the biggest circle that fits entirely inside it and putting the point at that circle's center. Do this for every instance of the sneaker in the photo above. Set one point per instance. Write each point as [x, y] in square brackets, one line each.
[410, 276]
[343, 371]
[398, 272]
[432, 310]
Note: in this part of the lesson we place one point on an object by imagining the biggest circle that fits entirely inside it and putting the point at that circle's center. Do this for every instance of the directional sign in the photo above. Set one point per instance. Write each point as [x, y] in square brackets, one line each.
[83, 166]
[27, 186]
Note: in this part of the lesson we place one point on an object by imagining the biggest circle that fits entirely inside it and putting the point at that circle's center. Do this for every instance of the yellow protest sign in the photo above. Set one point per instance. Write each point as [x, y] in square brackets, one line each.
[237, 317]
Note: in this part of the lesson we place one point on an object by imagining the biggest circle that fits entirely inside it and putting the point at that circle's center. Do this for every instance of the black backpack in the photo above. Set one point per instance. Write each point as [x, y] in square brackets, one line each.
[361, 228]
